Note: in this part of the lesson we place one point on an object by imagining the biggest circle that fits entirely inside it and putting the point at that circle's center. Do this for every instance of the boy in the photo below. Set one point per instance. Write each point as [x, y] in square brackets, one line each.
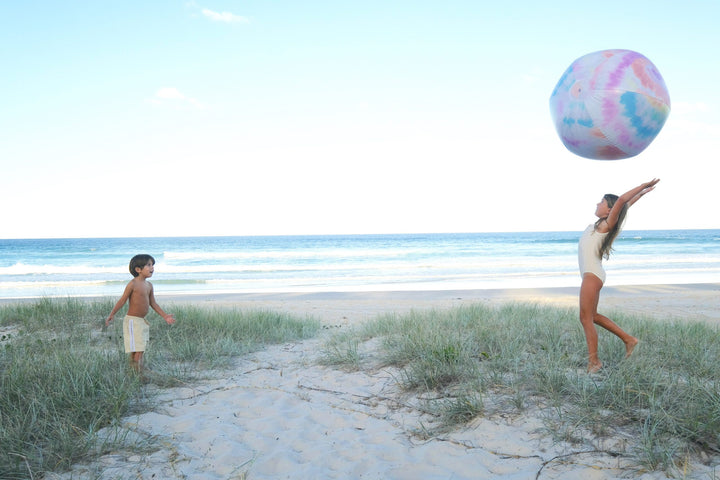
[136, 330]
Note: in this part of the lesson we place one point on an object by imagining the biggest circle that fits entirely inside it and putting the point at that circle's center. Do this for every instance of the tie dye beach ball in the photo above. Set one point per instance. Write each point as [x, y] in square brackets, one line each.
[609, 105]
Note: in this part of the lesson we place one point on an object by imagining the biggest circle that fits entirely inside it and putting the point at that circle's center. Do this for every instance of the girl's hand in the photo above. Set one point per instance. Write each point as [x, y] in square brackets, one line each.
[637, 193]
[651, 183]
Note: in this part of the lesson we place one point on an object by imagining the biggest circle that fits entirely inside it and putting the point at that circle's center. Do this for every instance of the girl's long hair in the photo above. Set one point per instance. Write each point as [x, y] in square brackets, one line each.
[606, 246]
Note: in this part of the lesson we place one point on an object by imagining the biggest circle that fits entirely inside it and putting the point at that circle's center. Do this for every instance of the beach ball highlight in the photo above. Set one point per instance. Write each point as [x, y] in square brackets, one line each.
[609, 105]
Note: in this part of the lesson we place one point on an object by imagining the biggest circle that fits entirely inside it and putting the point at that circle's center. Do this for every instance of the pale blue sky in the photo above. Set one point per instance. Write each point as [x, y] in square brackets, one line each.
[160, 118]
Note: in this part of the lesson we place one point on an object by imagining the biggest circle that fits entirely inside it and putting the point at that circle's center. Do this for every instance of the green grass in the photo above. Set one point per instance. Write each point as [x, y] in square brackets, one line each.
[479, 360]
[62, 378]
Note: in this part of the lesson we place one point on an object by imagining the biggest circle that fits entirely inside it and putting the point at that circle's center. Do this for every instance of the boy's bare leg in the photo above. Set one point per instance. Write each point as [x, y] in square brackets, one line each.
[136, 361]
[131, 361]
[140, 361]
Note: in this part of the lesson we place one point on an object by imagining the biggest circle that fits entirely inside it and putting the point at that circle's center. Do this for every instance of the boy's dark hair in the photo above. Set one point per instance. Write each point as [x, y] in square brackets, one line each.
[139, 261]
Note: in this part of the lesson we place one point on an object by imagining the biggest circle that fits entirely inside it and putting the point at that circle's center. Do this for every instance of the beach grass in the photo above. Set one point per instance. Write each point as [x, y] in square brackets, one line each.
[63, 377]
[663, 402]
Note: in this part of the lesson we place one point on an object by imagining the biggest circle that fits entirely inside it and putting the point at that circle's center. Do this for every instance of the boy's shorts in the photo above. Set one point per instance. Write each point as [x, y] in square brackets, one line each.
[136, 333]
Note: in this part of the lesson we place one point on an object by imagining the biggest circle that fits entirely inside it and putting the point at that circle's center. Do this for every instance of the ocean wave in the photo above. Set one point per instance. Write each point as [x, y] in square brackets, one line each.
[296, 254]
[351, 263]
[494, 264]
[49, 269]
[55, 284]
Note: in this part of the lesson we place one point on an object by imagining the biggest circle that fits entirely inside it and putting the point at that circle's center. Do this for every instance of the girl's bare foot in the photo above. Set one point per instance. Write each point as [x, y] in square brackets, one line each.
[594, 367]
[630, 346]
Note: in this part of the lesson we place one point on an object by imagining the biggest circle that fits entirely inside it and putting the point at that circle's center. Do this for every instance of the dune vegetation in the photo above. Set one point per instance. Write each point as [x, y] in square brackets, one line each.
[63, 377]
[664, 401]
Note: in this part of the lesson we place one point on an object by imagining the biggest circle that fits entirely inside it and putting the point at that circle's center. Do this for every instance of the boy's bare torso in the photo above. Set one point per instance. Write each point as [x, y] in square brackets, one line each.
[139, 301]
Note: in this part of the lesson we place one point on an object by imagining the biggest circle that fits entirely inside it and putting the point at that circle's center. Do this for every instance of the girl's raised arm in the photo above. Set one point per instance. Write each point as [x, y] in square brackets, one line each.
[629, 198]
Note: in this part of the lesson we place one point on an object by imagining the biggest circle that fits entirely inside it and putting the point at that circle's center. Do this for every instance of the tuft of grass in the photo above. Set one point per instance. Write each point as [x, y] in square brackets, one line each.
[461, 409]
[213, 337]
[342, 352]
[63, 378]
[480, 360]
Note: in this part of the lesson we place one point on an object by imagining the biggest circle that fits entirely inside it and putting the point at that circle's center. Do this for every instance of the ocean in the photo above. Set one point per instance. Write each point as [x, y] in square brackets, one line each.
[325, 263]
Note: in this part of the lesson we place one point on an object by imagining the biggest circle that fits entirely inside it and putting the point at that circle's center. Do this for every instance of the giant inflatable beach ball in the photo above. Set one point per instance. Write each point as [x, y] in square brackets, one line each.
[609, 105]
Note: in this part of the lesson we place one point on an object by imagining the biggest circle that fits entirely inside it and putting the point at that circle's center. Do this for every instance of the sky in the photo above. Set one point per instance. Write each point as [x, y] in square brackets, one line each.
[280, 117]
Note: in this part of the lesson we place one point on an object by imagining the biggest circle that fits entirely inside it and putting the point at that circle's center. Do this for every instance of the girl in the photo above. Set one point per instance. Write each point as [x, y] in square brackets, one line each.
[596, 244]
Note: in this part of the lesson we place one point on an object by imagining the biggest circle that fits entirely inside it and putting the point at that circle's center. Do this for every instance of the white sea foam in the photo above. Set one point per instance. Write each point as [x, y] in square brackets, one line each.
[349, 263]
[49, 269]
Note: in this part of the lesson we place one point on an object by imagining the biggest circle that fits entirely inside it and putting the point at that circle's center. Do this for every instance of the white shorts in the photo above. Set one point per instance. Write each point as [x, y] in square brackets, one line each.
[136, 333]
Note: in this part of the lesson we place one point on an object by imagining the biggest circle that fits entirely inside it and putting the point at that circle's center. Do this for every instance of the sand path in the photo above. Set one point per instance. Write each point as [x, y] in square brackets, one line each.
[280, 415]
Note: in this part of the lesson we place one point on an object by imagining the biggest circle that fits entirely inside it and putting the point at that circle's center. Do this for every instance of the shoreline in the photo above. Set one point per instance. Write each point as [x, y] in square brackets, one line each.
[699, 301]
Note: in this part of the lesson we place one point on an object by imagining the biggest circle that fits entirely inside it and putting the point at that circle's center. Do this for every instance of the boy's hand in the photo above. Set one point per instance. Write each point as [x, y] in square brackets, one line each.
[170, 319]
[108, 320]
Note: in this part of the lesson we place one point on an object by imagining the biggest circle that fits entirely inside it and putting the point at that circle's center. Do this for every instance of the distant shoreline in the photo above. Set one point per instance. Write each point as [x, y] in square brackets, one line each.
[699, 301]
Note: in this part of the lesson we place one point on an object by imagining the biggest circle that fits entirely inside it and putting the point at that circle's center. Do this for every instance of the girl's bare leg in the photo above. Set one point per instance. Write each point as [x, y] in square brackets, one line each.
[630, 341]
[589, 297]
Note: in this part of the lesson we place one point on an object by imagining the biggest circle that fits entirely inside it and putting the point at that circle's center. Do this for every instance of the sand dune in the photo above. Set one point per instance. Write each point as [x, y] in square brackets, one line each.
[280, 415]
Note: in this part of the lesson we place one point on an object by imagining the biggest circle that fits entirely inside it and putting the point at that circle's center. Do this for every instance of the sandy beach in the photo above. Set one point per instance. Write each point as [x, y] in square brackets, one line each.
[280, 415]
[689, 301]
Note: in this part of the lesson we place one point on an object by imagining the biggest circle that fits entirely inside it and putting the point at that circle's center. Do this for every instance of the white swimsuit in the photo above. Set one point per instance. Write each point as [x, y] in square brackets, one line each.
[589, 258]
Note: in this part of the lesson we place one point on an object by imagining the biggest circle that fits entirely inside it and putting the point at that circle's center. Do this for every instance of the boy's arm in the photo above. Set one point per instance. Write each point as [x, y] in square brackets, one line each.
[124, 298]
[169, 318]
